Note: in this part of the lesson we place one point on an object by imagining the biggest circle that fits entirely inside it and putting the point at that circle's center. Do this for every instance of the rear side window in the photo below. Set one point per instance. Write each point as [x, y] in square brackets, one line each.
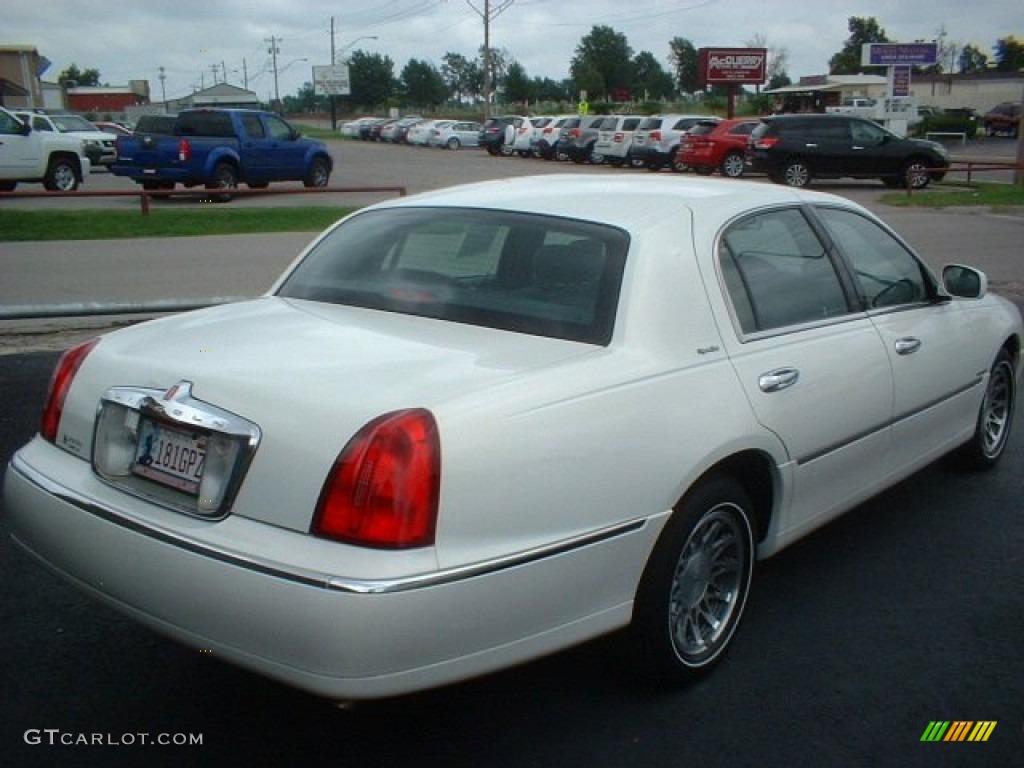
[205, 124]
[777, 272]
[517, 272]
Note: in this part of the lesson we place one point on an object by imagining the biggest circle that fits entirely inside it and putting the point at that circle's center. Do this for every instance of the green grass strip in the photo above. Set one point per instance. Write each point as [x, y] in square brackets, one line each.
[952, 194]
[24, 226]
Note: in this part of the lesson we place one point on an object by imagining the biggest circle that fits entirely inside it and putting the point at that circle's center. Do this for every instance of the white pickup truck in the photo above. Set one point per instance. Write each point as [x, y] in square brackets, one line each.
[31, 156]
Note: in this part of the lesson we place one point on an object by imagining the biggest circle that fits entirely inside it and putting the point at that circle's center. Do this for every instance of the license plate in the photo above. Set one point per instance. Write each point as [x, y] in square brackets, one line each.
[170, 456]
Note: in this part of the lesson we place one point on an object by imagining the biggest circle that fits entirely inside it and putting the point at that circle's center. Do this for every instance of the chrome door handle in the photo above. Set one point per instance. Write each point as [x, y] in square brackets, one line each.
[907, 346]
[779, 379]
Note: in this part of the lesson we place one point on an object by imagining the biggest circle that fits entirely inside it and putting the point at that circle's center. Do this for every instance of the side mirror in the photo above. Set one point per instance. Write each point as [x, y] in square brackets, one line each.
[964, 282]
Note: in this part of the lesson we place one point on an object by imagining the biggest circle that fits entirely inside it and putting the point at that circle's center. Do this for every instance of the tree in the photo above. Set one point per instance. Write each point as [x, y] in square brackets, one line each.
[423, 84]
[518, 86]
[862, 30]
[683, 56]
[465, 78]
[972, 59]
[1009, 54]
[73, 77]
[602, 63]
[371, 78]
[650, 80]
[306, 100]
[546, 89]
[778, 60]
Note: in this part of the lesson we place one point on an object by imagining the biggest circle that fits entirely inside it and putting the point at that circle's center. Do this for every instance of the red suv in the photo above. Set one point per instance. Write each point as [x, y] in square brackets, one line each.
[712, 144]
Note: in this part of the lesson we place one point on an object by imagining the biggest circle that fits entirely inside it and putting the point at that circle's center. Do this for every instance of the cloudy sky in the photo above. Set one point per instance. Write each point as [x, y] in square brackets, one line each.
[190, 39]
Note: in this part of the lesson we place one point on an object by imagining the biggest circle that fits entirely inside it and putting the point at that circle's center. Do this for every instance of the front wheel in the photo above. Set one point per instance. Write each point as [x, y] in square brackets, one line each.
[61, 176]
[319, 174]
[695, 585]
[915, 173]
[992, 431]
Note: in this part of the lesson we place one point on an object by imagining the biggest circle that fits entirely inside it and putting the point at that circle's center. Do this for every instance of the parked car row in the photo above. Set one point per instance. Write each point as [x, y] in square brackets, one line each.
[791, 149]
[415, 130]
[650, 141]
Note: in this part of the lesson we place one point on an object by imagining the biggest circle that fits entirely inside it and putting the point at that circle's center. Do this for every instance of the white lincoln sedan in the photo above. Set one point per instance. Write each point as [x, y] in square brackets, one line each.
[476, 426]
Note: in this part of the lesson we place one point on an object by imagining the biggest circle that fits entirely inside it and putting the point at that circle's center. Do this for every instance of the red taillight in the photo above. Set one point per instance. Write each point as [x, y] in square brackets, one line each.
[384, 487]
[60, 383]
[766, 142]
[184, 150]
[655, 135]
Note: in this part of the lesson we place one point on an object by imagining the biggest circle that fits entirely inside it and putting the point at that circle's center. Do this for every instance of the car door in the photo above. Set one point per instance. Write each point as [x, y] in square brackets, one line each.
[873, 153]
[937, 370]
[19, 153]
[830, 147]
[812, 364]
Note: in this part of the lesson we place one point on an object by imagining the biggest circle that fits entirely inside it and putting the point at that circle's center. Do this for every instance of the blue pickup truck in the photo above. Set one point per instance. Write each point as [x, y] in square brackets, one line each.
[221, 148]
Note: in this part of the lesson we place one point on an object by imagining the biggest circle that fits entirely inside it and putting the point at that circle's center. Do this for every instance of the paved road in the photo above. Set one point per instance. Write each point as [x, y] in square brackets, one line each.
[909, 609]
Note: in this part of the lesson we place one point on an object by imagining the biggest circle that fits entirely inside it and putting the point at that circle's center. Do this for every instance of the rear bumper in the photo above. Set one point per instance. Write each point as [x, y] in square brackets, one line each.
[243, 590]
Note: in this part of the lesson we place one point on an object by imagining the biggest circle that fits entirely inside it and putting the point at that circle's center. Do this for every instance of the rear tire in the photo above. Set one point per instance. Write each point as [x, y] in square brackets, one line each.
[225, 177]
[695, 585]
[732, 165]
[796, 173]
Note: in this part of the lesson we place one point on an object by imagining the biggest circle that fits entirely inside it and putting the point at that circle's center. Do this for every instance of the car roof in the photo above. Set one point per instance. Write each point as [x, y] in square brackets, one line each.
[627, 201]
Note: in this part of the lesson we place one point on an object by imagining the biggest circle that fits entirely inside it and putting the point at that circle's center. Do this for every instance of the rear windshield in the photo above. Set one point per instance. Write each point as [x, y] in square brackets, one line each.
[517, 272]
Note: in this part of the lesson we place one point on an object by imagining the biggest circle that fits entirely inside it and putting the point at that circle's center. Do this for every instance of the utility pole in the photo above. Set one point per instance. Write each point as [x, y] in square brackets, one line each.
[488, 13]
[334, 109]
[163, 88]
[273, 50]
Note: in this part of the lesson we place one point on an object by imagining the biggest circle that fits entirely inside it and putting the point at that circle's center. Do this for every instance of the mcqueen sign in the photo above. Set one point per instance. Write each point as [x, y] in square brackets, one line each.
[732, 65]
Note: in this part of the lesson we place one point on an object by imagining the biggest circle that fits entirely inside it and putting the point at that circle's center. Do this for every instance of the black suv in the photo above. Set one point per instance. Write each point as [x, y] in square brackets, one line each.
[794, 149]
[492, 135]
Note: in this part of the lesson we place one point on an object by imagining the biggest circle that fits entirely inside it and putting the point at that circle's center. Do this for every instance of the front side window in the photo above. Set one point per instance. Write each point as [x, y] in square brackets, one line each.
[9, 124]
[885, 272]
[777, 272]
[518, 272]
[279, 129]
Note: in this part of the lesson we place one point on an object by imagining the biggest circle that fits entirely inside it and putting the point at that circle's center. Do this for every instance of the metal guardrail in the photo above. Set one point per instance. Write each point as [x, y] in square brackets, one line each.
[970, 167]
[146, 195]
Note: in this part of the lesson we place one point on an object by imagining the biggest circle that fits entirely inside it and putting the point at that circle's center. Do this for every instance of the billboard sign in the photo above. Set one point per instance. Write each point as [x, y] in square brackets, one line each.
[331, 80]
[896, 54]
[732, 65]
